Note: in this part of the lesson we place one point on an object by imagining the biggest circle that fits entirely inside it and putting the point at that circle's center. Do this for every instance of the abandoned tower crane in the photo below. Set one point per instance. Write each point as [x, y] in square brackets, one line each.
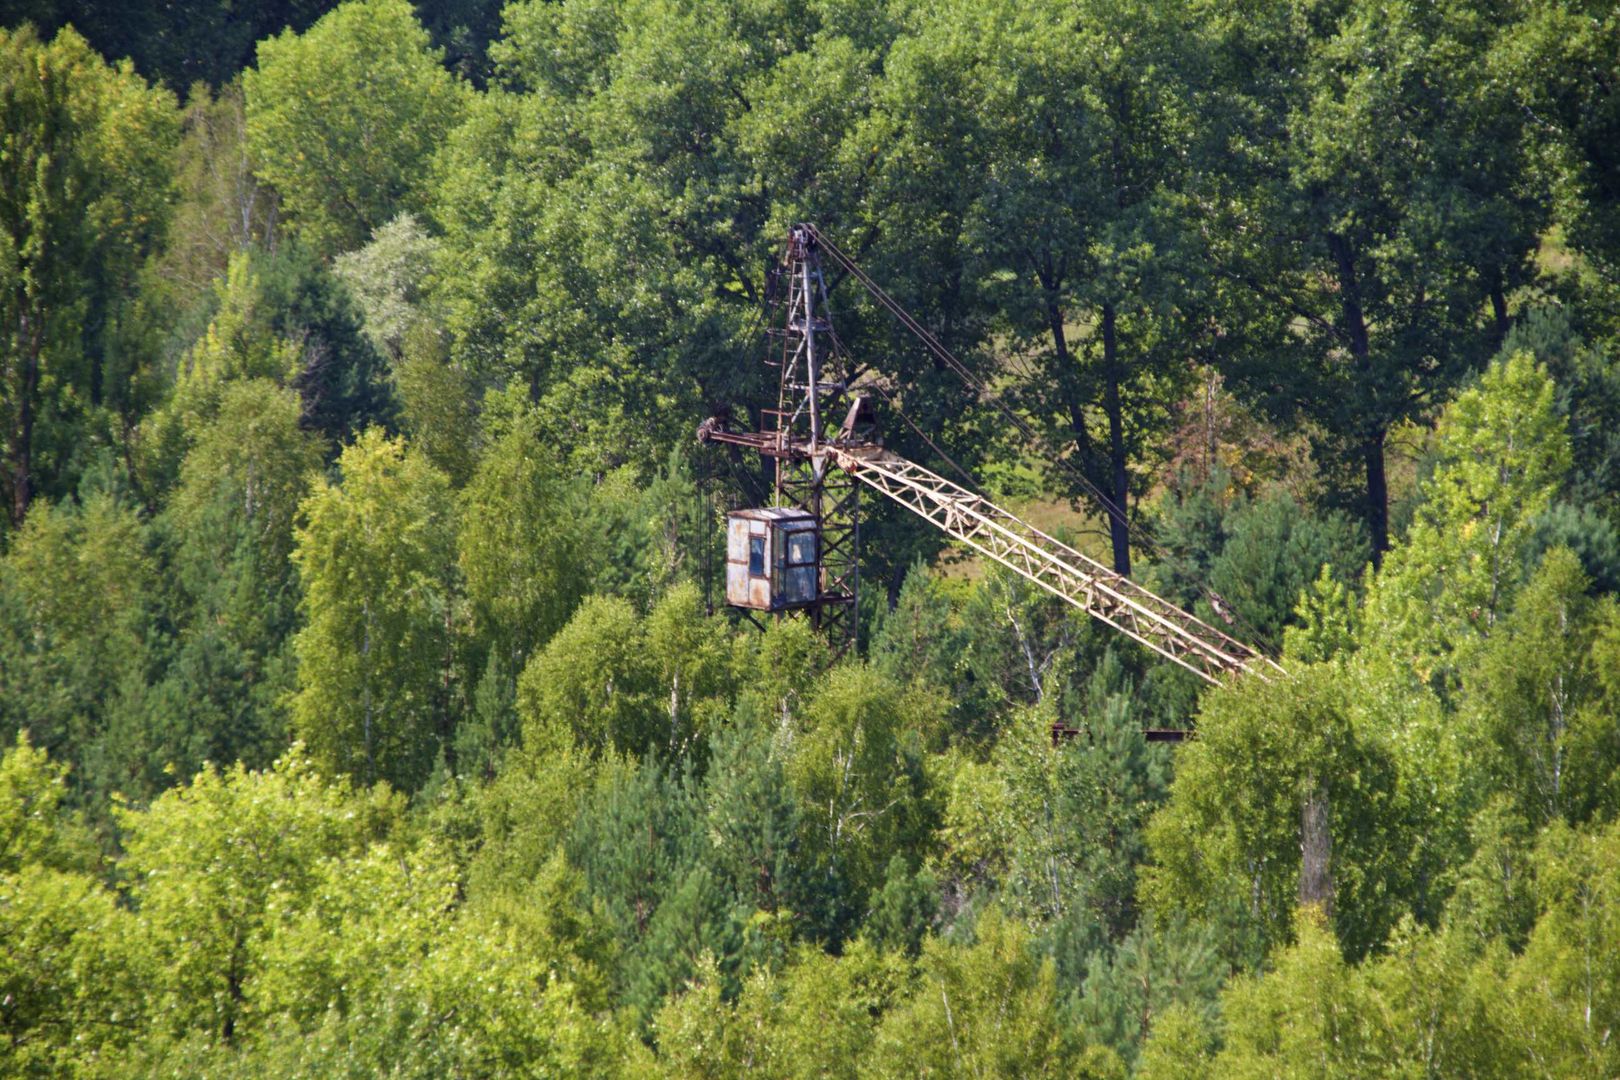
[803, 553]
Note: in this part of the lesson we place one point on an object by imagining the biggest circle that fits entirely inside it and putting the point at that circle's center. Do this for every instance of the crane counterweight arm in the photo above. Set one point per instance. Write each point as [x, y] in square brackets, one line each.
[1055, 566]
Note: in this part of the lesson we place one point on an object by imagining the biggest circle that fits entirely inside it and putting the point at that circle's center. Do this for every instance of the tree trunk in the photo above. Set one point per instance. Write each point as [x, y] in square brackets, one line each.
[21, 451]
[1499, 312]
[1315, 848]
[897, 578]
[365, 695]
[1119, 478]
[446, 720]
[1372, 454]
[1063, 361]
[1353, 326]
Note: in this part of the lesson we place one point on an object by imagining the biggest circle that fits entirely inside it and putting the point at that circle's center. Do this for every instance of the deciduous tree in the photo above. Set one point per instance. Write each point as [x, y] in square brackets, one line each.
[343, 119]
[376, 556]
[1373, 259]
[89, 179]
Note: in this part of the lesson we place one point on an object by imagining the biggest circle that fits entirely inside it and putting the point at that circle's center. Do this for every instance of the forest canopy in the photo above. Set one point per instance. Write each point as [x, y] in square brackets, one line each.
[368, 700]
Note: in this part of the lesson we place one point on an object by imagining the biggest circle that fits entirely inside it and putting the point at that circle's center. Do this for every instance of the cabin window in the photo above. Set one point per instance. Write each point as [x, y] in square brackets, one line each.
[756, 556]
[799, 584]
[801, 548]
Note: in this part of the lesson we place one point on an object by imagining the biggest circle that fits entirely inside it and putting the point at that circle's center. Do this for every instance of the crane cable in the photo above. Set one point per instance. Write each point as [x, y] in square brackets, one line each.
[975, 383]
[967, 477]
[979, 386]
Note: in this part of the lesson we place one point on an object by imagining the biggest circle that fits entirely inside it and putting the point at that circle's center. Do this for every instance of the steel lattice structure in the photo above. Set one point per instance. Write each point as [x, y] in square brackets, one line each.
[806, 402]
[1055, 566]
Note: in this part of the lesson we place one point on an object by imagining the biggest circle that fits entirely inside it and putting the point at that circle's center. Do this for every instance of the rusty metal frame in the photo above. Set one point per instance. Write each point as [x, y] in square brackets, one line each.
[1062, 733]
[816, 485]
[795, 433]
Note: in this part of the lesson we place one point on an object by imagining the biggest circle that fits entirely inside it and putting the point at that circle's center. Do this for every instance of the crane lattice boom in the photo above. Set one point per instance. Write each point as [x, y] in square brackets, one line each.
[1054, 565]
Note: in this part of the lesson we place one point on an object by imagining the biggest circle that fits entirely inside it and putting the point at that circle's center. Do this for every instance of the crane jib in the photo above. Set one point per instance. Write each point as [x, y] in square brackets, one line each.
[1055, 566]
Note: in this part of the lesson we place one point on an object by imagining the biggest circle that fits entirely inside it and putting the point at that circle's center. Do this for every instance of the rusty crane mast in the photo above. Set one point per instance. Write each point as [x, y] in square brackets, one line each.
[802, 555]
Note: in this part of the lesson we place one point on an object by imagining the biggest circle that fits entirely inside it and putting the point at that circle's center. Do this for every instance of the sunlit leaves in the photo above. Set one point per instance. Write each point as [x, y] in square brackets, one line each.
[343, 119]
[1503, 452]
[87, 150]
[376, 558]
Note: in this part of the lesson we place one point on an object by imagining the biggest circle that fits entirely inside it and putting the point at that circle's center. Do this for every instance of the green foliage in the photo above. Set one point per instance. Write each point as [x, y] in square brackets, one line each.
[1254, 554]
[381, 972]
[1541, 697]
[648, 529]
[1179, 1049]
[1567, 976]
[35, 830]
[987, 1009]
[1588, 383]
[1019, 645]
[1081, 107]
[88, 158]
[436, 403]
[1494, 898]
[71, 963]
[1586, 532]
[779, 674]
[521, 545]
[635, 840]
[243, 479]
[590, 686]
[283, 923]
[340, 377]
[1372, 261]
[1063, 825]
[230, 520]
[221, 209]
[1503, 452]
[342, 119]
[215, 865]
[691, 669]
[280, 316]
[525, 814]
[857, 771]
[1270, 1026]
[376, 555]
[903, 909]
[923, 639]
[209, 41]
[1563, 57]
[1329, 622]
[240, 343]
[1430, 1005]
[815, 1019]
[611, 679]
[1228, 844]
[351, 403]
[1156, 970]
[1273, 548]
[363, 918]
[78, 588]
[388, 279]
